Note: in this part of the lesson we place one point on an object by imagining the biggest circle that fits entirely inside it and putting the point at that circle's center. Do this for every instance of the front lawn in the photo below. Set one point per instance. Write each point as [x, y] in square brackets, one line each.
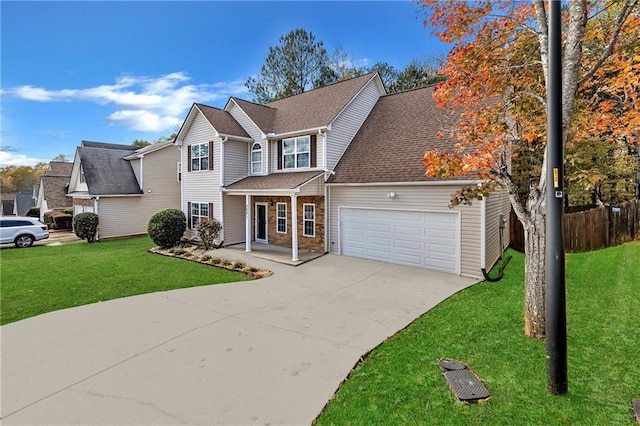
[399, 383]
[47, 278]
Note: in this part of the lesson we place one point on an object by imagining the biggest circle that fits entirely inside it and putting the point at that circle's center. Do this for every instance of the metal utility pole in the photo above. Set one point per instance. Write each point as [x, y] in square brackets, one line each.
[556, 315]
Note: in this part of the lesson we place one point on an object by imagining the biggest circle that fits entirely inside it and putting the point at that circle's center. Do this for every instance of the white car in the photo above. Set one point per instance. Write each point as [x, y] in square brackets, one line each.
[22, 231]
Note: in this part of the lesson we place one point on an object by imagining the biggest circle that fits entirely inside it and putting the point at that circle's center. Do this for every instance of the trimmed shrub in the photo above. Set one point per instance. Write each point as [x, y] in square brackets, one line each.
[166, 227]
[85, 226]
[56, 219]
[209, 233]
[33, 212]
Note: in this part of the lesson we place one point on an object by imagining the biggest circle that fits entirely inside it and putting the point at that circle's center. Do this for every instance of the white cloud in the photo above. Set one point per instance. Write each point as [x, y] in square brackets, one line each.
[141, 103]
[144, 121]
[13, 159]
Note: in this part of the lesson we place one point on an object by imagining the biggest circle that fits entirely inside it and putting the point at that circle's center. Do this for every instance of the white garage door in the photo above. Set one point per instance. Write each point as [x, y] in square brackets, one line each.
[424, 240]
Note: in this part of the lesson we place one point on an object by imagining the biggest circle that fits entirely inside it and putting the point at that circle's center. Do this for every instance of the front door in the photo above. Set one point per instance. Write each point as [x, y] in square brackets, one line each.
[261, 222]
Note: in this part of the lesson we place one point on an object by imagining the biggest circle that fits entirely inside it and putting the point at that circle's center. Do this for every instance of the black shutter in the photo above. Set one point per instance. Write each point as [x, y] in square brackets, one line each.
[188, 158]
[313, 150]
[210, 155]
[210, 210]
[280, 154]
[188, 215]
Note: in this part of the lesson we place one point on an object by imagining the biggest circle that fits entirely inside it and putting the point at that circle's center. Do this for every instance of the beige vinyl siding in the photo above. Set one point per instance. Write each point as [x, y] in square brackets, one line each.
[247, 124]
[349, 121]
[122, 216]
[426, 198]
[136, 166]
[497, 203]
[315, 187]
[236, 161]
[119, 216]
[234, 219]
[204, 185]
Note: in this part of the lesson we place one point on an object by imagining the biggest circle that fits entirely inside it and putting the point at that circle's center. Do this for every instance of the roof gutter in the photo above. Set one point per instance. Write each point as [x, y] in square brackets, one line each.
[319, 130]
[238, 138]
[425, 183]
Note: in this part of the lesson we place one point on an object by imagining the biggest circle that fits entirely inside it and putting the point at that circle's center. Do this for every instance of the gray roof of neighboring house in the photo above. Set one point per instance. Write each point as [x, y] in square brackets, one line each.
[223, 122]
[105, 169]
[107, 145]
[393, 139]
[307, 110]
[59, 168]
[24, 200]
[290, 180]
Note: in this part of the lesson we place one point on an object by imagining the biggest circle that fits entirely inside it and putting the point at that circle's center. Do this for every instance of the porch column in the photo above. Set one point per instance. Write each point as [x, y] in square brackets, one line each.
[294, 228]
[247, 213]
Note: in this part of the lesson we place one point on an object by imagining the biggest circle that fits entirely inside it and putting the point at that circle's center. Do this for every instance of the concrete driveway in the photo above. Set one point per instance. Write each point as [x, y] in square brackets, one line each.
[270, 351]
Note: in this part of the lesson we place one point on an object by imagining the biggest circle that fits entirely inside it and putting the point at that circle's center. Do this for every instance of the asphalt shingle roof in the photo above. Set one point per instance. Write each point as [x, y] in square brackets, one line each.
[393, 139]
[307, 110]
[222, 121]
[290, 180]
[105, 169]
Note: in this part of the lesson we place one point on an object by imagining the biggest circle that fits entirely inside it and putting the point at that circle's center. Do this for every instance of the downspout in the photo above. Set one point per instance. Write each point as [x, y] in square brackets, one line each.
[142, 173]
[483, 233]
[95, 210]
[323, 133]
[226, 138]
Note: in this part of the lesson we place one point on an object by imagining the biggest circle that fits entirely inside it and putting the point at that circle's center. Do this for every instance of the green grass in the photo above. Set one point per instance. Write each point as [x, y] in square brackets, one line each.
[399, 383]
[47, 278]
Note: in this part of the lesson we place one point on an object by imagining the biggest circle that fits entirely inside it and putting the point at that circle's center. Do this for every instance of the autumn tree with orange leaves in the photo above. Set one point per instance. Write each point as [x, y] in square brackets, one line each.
[497, 74]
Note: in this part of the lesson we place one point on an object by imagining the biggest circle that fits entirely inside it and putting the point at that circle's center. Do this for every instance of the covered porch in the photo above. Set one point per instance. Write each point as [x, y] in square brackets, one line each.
[283, 210]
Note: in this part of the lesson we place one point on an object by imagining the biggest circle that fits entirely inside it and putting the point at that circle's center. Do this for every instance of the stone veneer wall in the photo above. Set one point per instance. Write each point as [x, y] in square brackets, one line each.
[312, 244]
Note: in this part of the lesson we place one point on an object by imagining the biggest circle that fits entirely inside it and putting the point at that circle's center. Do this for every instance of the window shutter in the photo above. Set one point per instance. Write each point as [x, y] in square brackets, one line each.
[188, 215]
[313, 150]
[210, 210]
[280, 154]
[188, 158]
[210, 155]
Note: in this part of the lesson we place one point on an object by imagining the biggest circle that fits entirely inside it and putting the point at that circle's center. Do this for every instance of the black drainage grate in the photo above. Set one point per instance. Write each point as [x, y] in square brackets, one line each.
[464, 384]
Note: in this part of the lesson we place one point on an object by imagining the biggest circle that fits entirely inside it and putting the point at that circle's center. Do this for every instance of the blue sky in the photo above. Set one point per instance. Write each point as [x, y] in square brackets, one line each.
[118, 71]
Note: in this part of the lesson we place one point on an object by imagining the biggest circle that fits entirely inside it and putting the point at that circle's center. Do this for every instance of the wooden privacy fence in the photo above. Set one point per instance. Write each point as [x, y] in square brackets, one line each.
[591, 229]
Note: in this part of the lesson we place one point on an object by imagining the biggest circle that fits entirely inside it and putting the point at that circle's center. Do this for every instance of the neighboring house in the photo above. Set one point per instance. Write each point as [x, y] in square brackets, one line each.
[24, 201]
[7, 206]
[52, 189]
[124, 185]
[335, 169]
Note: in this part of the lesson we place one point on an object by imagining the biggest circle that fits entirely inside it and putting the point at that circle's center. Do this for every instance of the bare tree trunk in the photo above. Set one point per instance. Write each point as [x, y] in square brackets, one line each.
[533, 219]
[535, 284]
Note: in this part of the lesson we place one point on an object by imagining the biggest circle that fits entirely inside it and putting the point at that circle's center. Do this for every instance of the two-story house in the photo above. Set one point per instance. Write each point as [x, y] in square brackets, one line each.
[124, 184]
[335, 169]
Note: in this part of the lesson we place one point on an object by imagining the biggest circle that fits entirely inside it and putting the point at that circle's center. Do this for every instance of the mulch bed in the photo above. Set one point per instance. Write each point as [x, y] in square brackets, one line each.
[197, 254]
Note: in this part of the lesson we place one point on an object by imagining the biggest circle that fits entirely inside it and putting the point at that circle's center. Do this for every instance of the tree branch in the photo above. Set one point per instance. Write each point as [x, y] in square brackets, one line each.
[608, 49]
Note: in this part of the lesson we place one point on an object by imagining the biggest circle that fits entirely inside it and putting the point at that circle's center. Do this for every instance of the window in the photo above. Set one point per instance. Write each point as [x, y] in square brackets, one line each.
[256, 158]
[82, 175]
[309, 220]
[200, 157]
[199, 213]
[179, 171]
[282, 217]
[296, 152]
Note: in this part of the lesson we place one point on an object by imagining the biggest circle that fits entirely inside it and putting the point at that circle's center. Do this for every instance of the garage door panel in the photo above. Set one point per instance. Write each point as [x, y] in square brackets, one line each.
[420, 239]
[375, 254]
[379, 241]
[407, 244]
